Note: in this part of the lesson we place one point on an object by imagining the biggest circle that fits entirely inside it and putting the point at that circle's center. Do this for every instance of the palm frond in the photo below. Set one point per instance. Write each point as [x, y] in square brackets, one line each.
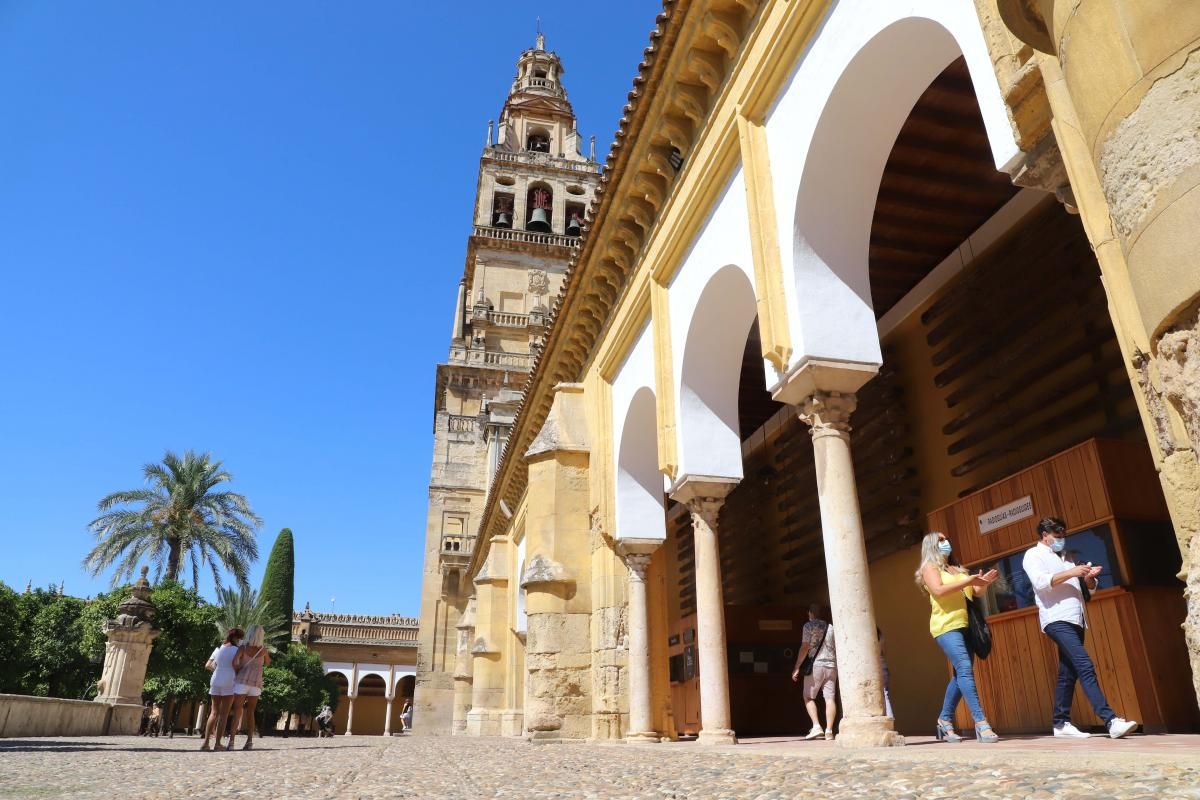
[178, 522]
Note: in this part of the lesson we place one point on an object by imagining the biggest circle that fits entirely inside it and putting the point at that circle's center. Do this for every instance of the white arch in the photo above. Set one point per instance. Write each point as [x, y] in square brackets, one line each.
[640, 486]
[635, 474]
[710, 371]
[830, 134]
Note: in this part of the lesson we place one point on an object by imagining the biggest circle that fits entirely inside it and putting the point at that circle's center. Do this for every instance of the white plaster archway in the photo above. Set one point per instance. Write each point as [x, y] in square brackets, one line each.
[709, 438]
[640, 486]
[830, 134]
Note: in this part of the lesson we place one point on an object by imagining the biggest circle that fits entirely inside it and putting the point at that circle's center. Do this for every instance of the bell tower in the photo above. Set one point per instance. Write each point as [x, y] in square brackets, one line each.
[532, 194]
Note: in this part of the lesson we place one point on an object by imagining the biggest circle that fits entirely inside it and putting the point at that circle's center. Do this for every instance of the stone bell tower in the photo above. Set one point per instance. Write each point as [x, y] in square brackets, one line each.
[533, 190]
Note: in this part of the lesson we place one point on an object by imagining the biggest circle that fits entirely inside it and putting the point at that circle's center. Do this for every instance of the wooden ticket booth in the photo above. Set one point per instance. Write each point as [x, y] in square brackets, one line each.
[762, 642]
[1108, 494]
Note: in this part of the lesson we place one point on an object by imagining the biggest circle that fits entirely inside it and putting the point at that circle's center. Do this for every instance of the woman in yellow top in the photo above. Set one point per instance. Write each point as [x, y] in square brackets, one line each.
[948, 587]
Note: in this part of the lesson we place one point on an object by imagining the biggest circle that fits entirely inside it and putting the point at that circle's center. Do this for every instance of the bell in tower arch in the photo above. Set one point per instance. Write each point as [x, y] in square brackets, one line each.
[540, 201]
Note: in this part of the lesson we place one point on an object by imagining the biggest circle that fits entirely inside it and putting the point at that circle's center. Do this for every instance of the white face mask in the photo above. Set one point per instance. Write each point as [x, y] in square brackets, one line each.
[1058, 545]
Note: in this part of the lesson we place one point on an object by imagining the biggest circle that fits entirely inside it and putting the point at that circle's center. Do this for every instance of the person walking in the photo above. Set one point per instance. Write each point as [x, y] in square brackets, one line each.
[406, 715]
[820, 674]
[223, 663]
[248, 684]
[1058, 590]
[949, 587]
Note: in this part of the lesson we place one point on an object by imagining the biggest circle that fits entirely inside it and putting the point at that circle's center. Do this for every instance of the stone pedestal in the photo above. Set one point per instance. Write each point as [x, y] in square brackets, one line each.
[704, 496]
[130, 637]
[641, 713]
[860, 678]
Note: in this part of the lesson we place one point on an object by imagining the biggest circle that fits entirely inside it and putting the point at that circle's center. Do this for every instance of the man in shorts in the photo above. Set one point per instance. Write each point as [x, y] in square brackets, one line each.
[817, 644]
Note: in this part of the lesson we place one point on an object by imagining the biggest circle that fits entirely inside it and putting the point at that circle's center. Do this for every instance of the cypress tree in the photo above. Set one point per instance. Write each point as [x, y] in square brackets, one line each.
[278, 583]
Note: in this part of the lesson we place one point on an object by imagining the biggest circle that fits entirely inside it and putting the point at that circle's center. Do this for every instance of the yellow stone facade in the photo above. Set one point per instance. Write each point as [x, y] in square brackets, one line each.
[764, 261]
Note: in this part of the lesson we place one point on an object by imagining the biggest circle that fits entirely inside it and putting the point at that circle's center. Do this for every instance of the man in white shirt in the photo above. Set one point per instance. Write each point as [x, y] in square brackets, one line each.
[1059, 594]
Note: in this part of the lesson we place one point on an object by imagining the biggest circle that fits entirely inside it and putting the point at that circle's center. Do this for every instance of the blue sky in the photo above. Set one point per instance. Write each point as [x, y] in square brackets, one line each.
[239, 228]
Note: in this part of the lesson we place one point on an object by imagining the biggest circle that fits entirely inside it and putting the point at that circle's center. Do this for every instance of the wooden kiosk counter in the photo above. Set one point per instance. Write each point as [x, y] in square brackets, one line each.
[1108, 494]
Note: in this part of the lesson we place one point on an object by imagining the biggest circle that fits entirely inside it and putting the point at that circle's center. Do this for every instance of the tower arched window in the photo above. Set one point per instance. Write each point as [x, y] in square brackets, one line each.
[502, 210]
[539, 208]
[538, 140]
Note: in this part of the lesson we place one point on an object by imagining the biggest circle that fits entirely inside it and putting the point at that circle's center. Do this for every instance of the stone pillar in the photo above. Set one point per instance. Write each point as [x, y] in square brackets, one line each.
[560, 685]
[704, 497]
[201, 716]
[641, 711]
[860, 678]
[127, 651]
[487, 651]
[387, 714]
[463, 669]
[350, 713]
[1123, 81]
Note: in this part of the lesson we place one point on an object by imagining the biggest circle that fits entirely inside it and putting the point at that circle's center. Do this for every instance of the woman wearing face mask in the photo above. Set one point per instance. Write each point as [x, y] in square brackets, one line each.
[948, 587]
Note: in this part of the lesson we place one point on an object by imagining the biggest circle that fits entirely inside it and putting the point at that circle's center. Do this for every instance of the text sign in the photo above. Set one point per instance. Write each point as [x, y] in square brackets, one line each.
[1006, 515]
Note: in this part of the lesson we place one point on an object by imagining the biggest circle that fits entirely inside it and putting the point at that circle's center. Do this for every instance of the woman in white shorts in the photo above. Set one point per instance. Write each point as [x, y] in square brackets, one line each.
[248, 684]
[224, 663]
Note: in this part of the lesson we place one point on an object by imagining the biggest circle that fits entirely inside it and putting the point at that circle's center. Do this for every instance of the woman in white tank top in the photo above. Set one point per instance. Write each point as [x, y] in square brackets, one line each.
[224, 663]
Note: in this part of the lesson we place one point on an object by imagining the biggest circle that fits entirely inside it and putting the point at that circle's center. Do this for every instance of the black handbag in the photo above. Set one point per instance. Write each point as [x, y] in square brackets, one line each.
[806, 666]
[978, 633]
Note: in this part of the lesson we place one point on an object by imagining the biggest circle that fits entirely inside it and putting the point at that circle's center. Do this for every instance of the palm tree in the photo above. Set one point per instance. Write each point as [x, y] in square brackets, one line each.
[178, 517]
[246, 607]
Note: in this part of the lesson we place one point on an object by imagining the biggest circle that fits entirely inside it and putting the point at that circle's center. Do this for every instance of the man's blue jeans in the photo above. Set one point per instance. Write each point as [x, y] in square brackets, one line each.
[1074, 663]
[962, 683]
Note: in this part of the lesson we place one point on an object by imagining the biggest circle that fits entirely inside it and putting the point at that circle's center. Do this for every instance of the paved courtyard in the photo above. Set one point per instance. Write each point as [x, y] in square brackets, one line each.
[468, 769]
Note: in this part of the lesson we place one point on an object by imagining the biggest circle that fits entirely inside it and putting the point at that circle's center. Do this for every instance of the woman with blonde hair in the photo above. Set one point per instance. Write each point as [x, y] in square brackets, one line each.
[224, 664]
[248, 685]
[949, 586]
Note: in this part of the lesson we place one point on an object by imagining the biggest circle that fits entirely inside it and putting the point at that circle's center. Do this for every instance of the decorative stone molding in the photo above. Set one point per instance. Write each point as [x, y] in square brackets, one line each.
[1154, 403]
[1179, 365]
[564, 428]
[541, 570]
[482, 647]
[828, 413]
[703, 495]
[539, 283]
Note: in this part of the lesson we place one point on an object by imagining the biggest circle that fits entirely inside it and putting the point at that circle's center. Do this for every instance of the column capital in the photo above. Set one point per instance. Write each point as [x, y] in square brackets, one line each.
[828, 413]
[703, 494]
[637, 563]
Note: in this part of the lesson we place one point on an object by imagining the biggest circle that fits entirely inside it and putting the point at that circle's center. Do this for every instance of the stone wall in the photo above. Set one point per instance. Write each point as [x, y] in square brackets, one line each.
[23, 715]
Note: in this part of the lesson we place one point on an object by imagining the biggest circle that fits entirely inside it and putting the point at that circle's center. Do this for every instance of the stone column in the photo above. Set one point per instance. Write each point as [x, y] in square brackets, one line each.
[387, 714]
[463, 669]
[641, 712]
[860, 679]
[127, 651]
[704, 496]
[350, 713]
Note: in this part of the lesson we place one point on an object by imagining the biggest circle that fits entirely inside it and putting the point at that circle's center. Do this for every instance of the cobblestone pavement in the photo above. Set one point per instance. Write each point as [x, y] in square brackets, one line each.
[460, 768]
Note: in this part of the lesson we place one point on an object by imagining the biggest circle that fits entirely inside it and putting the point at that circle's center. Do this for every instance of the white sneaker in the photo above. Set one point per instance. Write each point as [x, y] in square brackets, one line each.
[815, 733]
[1118, 727]
[1069, 731]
